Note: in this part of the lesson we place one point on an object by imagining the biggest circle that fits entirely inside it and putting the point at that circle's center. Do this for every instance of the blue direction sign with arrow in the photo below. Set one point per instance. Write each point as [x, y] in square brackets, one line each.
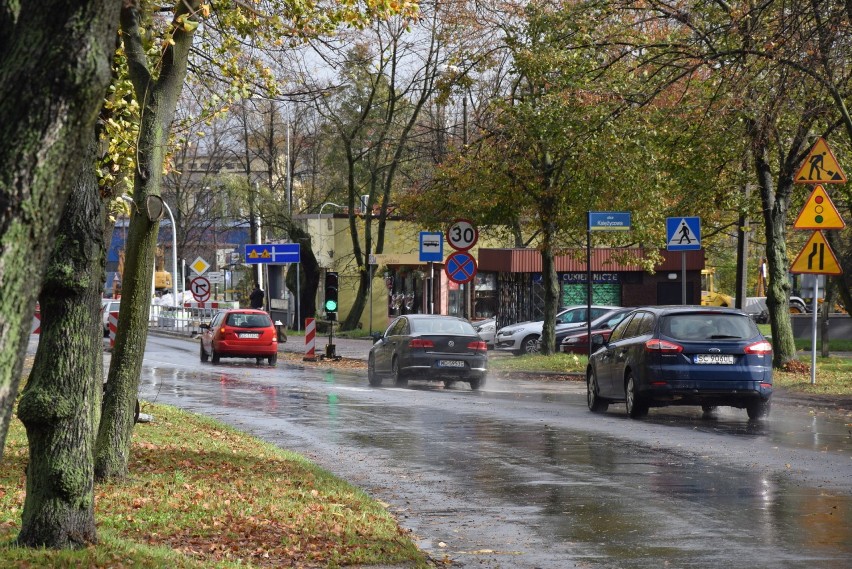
[460, 267]
[273, 253]
[683, 233]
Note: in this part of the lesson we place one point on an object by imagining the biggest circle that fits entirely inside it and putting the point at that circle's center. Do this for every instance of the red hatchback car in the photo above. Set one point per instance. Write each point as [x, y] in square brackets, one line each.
[240, 333]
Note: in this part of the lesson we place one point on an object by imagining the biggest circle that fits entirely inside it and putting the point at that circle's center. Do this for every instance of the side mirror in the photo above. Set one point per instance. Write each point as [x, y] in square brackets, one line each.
[598, 340]
[204, 326]
[376, 336]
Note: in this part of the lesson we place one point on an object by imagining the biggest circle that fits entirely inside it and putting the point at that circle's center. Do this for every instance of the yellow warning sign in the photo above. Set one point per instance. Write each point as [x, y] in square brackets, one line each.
[820, 167]
[819, 213]
[817, 258]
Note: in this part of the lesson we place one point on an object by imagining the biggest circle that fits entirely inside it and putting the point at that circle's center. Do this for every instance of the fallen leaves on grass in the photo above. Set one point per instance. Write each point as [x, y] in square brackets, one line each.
[797, 367]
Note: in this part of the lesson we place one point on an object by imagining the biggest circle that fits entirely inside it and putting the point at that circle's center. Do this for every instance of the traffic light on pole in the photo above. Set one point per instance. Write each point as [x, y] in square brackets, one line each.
[331, 289]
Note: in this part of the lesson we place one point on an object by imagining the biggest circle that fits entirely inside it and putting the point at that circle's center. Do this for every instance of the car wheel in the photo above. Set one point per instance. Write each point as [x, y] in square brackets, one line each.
[136, 411]
[476, 384]
[797, 307]
[636, 407]
[758, 409]
[258, 361]
[596, 404]
[204, 356]
[531, 345]
[399, 379]
[273, 359]
[709, 410]
[448, 383]
[372, 376]
[214, 357]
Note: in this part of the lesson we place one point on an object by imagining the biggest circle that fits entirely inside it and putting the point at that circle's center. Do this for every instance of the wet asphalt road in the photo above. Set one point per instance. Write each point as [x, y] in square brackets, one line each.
[522, 475]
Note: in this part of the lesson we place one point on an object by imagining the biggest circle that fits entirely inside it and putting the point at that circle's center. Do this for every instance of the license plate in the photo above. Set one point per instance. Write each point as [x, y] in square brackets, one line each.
[450, 363]
[714, 359]
[249, 335]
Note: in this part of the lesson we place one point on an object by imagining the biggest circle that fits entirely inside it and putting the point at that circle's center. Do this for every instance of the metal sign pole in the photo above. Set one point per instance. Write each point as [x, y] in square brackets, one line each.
[814, 329]
[589, 282]
[298, 298]
[683, 277]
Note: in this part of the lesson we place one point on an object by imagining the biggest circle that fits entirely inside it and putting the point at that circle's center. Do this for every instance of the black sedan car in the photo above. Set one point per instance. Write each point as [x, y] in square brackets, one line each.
[682, 355]
[428, 347]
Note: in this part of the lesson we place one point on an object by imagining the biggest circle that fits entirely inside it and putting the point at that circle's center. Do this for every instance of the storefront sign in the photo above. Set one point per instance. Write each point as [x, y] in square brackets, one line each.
[401, 259]
[569, 278]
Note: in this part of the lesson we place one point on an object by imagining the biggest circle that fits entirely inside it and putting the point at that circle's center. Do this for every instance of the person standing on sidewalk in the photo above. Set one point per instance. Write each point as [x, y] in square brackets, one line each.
[256, 297]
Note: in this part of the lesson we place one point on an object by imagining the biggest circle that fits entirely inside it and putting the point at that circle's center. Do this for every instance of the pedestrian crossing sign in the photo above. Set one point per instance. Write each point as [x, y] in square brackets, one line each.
[816, 258]
[819, 212]
[820, 167]
[683, 233]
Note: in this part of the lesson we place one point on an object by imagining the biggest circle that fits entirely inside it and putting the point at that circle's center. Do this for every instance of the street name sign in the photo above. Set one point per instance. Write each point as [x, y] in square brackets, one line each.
[609, 221]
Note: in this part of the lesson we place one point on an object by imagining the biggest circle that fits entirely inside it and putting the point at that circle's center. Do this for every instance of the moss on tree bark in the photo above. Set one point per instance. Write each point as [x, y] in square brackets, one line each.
[60, 405]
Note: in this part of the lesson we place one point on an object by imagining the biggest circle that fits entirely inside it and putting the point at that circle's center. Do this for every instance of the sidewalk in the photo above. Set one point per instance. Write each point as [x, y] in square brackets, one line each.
[352, 348]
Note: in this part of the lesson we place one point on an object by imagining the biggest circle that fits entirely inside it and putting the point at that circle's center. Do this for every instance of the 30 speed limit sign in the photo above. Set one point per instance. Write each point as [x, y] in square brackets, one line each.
[462, 235]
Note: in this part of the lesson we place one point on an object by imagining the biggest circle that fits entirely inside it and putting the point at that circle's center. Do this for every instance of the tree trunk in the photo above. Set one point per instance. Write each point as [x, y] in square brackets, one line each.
[60, 406]
[309, 277]
[775, 205]
[54, 69]
[159, 99]
[549, 278]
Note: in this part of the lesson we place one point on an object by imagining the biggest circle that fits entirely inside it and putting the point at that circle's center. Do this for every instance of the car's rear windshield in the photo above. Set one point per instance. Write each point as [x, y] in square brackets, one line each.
[707, 326]
[435, 326]
[240, 320]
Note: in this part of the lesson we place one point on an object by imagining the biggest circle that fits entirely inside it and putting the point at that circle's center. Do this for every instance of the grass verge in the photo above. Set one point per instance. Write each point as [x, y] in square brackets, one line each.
[201, 494]
[833, 377]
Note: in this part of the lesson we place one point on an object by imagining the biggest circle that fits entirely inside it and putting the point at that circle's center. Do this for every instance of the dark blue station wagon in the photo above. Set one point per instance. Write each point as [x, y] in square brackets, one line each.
[682, 355]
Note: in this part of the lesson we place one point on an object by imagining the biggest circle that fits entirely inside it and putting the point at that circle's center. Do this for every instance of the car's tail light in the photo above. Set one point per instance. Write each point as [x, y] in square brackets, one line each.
[421, 343]
[761, 348]
[663, 347]
[478, 346]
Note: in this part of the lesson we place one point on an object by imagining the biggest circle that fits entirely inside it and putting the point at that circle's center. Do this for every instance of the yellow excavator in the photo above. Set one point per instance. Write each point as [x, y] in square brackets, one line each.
[162, 278]
[709, 295]
[757, 304]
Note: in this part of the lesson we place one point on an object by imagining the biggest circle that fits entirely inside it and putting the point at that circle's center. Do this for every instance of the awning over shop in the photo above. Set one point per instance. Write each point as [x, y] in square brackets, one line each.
[529, 260]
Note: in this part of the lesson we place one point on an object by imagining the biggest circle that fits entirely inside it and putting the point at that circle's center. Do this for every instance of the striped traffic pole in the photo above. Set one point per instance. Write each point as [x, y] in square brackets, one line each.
[113, 326]
[36, 325]
[310, 340]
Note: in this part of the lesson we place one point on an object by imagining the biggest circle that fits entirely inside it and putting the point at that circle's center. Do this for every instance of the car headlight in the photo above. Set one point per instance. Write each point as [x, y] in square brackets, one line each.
[571, 340]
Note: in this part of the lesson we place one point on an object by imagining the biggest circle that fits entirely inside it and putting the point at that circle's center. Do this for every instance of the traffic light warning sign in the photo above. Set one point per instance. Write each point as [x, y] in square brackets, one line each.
[820, 167]
[819, 212]
[816, 258]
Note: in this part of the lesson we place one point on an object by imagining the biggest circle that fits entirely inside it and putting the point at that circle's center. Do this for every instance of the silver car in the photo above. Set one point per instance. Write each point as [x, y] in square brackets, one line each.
[486, 329]
[524, 337]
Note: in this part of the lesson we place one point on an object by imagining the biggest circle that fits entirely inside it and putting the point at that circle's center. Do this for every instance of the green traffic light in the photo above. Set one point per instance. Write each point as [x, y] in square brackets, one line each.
[330, 305]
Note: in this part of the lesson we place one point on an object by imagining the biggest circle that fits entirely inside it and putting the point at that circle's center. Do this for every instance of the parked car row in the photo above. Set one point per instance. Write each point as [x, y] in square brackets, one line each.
[524, 337]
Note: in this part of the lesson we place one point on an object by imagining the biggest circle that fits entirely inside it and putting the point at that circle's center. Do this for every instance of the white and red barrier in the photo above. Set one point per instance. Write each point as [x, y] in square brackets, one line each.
[310, 340]
[36, 325]
[112, 323]
[214, 305]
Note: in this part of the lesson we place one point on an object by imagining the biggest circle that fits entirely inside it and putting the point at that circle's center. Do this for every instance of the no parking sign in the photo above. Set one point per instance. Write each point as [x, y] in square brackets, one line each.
[460, 267]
